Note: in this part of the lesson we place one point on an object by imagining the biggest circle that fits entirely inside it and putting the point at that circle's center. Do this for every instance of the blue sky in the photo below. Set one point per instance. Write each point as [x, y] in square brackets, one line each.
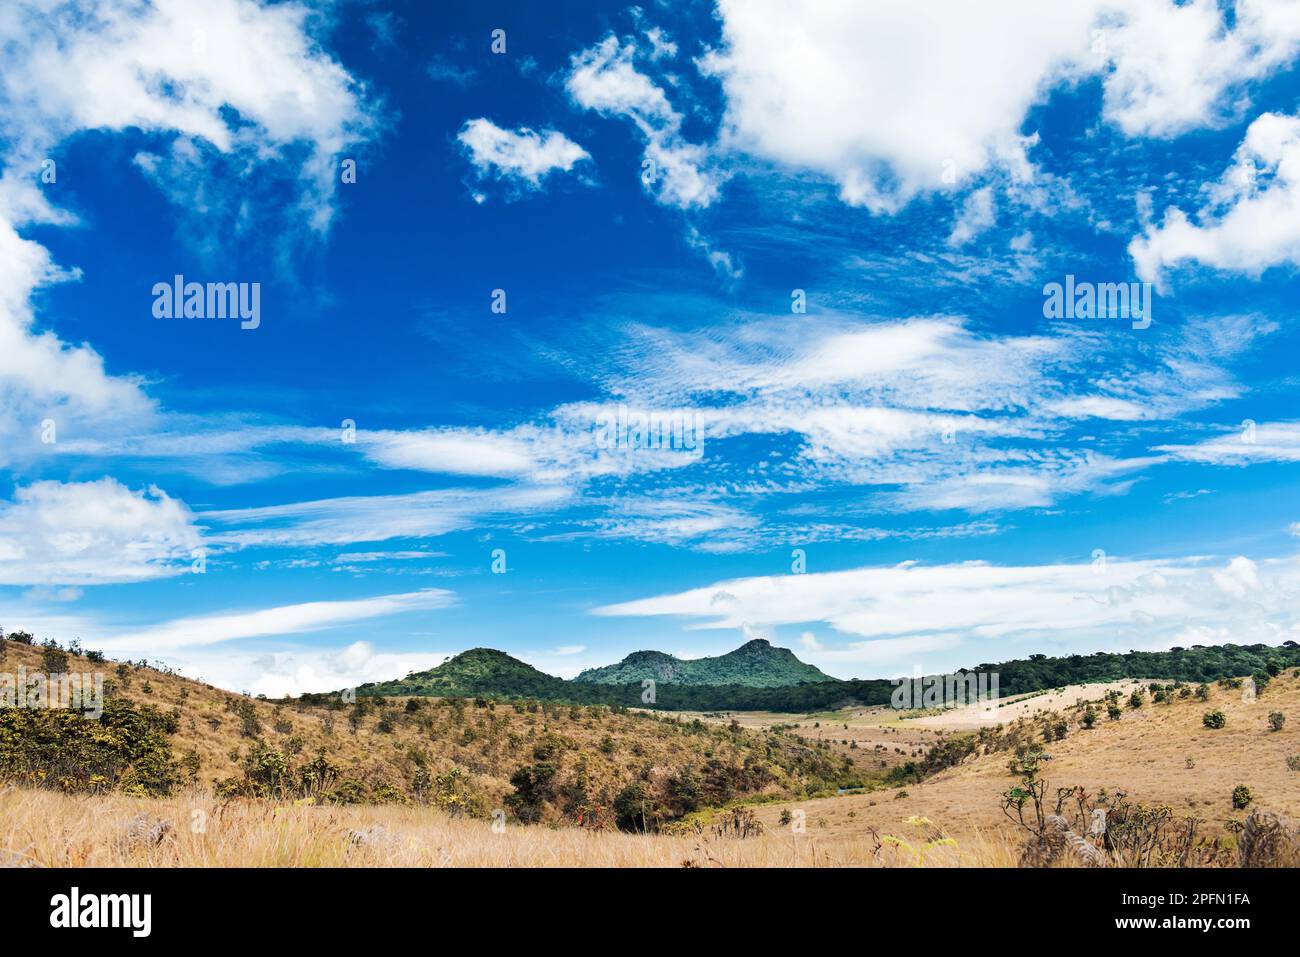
[814, 237]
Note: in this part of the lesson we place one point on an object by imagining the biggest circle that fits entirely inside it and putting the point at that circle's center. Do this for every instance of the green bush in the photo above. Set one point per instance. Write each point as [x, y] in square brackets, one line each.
[1241, 797]
[534, 786]
[632, 808]
[54, 660]
[1276, 719]
[126, 749]
[1214, 719]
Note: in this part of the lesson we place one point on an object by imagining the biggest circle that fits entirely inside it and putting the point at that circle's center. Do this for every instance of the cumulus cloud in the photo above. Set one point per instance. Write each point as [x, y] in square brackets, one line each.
[520, 156]
[93, 533]
[1252, 220]
[891, 101]
[292, 670]
[1176, 67]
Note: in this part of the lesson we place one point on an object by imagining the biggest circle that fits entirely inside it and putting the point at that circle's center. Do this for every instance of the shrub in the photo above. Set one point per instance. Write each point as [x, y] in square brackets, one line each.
[1214, 719]
[250, 727]
[22, 637]
[1241, 797]
[54, 660]
[1275, 720]
[1113, 712]
[1089, 717]
[632, 809]
[1293, 762]
[534, 786]
[1202, 692]
[126, 749]
[1135, 699]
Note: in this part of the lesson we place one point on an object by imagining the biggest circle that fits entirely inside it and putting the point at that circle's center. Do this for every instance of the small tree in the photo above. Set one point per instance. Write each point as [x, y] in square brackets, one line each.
[1241, 797]
[1214, 720]
[1089, 717]
[1135, 699]
[1275, 720]
[1202, 692]
[54, 660]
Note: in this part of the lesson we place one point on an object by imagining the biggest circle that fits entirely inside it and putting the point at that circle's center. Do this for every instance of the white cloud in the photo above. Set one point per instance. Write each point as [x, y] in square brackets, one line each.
[605, 78]
[521, 155]
[1252, 221]
[294, 670]
[454, 451]
[1244, 445]
[341, 521]
[978, 213]
[985, 610]
[183, 66]
[246, 80]
[93, 533]
[891, 100]
[1176, 67]
[271, 622]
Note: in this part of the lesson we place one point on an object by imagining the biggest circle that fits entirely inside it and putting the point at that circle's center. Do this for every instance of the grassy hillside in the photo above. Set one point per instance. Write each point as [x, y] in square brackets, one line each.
[536, 761]
[755, 664]
[1169, 784]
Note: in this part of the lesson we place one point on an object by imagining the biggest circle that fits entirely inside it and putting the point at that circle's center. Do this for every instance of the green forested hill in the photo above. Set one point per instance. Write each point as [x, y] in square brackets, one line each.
[755, 664]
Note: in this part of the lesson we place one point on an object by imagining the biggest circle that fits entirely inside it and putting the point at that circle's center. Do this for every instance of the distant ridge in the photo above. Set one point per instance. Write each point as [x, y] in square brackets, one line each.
[755, 664]
[486, 673]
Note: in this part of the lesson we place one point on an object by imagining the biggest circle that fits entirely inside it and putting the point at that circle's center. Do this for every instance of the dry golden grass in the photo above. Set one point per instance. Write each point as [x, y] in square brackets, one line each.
[1144, 754]
[47, 829]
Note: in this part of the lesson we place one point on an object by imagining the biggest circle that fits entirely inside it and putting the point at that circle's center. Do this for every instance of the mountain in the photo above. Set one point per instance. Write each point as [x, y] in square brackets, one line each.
[479, 671]
[755, 664]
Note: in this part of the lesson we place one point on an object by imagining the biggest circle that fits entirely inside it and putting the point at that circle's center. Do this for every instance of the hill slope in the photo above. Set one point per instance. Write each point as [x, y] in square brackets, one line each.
[538, 761]
[479, 671]
[755, 664]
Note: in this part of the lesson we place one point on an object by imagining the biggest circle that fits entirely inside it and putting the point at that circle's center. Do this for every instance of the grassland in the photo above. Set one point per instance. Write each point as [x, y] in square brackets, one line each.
[853, 787]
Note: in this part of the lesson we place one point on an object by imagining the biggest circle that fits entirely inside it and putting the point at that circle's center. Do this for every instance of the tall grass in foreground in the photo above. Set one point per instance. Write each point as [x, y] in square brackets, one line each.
[48, 829]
